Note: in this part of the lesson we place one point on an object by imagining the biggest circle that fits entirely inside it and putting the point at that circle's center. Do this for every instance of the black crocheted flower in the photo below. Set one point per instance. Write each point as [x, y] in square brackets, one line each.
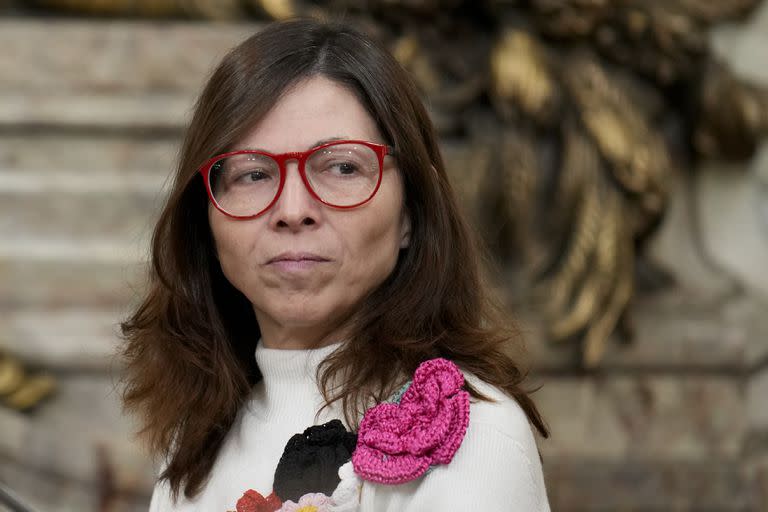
[311, 461]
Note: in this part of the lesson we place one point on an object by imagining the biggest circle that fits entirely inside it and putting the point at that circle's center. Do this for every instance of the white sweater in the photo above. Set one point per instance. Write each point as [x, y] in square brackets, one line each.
[496, 468]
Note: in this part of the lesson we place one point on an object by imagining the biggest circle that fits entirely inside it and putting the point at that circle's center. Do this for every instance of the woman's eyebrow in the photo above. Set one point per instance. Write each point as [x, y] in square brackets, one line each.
[318, 143]
[329, 139]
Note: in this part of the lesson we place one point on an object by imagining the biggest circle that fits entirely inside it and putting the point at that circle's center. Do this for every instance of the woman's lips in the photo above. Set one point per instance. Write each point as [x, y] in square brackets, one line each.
[295, 265]
[296, 262]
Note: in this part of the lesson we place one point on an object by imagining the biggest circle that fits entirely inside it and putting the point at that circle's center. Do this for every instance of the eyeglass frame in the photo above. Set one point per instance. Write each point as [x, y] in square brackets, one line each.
[381, 150]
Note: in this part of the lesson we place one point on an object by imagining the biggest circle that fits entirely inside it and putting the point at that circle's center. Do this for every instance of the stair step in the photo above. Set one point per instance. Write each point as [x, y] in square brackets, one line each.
[74, 282]
[38, 489]
[614, 417]
[136, 74]
[122, 55]
[65, 436]
[68, 250]
[54, 182]
[42, 215]
[651, 485]
[122, 207]
[87, 154]
[71, 339]
[96, 110]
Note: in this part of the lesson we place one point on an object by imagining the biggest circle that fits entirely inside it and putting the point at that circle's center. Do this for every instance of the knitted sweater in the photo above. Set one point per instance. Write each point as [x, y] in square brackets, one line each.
[496, 467]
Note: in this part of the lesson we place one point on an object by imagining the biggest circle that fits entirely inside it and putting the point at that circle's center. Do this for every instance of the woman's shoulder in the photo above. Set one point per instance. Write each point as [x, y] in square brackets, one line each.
[462, 453]
[500, 415]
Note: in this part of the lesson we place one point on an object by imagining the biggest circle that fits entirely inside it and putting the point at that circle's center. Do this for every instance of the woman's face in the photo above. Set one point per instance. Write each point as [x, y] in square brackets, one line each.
[300, 302]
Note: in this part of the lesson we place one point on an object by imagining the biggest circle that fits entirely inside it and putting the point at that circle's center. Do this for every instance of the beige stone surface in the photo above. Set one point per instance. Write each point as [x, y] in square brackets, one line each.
[68, 438]
[694, 418]
[71, 339]
[679, 247]
[112, 55]
[87, 153]
[644, 485]
[114, 74]
[46, 493]
[735, 231]
[677, 330]
[54, 214]
[68, 283]
[95, 110]
[757, 402]
[756, 468]
[743, 44]
[732, 199]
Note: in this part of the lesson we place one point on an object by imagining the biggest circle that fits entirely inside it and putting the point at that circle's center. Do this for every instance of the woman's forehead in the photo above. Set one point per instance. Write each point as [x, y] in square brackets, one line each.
[314, 111]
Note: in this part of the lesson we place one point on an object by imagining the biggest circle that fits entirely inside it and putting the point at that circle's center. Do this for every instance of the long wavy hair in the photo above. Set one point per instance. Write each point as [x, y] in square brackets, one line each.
[189, 344]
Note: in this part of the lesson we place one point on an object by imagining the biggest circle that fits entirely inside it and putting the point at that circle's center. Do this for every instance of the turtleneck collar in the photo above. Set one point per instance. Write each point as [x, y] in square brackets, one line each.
[275, 363]
[289, 391]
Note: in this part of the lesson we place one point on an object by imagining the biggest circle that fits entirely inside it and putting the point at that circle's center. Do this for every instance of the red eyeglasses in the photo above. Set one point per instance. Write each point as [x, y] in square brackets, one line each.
[341, 174]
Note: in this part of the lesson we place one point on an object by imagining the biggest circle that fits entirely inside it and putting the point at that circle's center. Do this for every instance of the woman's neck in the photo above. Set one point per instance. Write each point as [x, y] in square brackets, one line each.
[275, 335]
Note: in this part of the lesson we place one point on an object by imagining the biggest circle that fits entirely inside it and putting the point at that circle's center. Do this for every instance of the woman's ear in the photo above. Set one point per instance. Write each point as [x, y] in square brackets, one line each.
[405, 230]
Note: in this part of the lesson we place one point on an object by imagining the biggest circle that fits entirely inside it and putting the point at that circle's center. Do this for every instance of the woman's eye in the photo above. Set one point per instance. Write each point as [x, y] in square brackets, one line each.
[251, 176]
[344, 168]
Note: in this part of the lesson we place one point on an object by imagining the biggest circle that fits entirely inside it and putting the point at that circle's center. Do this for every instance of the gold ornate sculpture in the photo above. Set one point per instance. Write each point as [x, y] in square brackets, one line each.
[573, 116]
[18, 389]
[594, 105]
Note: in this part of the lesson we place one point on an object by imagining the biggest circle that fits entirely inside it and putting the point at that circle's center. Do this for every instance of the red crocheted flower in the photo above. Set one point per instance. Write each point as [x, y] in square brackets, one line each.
[399, 442]
[253, 501]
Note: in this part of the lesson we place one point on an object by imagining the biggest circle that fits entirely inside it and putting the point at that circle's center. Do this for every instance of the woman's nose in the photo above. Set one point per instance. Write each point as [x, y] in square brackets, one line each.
[295, 208]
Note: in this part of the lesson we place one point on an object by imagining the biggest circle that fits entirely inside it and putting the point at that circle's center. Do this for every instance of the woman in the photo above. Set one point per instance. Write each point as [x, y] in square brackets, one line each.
[311, 222]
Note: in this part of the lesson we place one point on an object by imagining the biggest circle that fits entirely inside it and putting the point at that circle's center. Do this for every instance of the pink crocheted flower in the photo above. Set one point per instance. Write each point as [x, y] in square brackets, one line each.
[399, 442]
[312, 502]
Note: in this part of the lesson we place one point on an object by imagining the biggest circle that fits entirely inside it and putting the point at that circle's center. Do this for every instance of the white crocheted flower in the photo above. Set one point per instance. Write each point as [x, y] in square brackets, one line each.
[346, 497]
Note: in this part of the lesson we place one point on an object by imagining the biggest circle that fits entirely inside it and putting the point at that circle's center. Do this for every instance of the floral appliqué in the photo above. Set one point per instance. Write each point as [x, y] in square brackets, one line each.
[311, 460]
[253, 501]
[345, 498]
[398, 442]
[422, 426]
[312, 502]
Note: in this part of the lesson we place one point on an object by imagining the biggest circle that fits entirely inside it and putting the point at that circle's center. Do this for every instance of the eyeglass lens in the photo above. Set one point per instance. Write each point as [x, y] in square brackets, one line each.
[340, 175]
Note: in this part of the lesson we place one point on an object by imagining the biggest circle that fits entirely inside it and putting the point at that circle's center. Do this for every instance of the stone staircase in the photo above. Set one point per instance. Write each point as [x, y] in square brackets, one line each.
[91, 114]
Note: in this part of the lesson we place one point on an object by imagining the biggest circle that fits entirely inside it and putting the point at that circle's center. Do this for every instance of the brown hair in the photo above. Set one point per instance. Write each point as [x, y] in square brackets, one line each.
[189, 346]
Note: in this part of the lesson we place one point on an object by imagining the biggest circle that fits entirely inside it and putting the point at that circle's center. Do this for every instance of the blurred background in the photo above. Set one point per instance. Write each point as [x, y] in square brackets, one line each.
[611, 152]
